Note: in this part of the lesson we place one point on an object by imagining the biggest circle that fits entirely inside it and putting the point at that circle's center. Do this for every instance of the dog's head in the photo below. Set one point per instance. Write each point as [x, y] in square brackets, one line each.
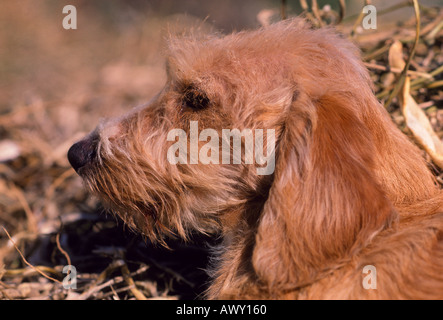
[204, 146]
[310, 133]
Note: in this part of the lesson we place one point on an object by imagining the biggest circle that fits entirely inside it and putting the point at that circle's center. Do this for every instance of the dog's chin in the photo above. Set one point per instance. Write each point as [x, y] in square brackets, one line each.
[140, 218]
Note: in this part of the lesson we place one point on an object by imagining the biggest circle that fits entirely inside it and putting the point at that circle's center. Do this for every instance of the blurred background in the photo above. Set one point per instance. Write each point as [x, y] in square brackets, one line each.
[56, 85]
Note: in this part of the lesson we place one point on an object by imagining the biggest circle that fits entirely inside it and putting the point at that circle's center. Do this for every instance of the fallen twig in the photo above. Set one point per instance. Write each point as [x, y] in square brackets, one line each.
[27, 263]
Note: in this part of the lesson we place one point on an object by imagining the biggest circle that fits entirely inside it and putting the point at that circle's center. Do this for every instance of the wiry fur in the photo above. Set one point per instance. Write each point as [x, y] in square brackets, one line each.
[348, 190]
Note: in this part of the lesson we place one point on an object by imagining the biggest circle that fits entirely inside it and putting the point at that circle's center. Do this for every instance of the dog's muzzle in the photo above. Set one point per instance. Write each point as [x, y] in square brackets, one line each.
[83, 152]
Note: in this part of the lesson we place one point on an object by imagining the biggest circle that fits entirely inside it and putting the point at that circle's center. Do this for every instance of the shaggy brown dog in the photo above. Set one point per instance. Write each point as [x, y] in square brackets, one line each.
[349, 190]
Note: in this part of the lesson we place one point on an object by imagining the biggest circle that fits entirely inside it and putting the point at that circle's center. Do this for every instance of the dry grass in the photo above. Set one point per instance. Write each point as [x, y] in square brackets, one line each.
[56, 85]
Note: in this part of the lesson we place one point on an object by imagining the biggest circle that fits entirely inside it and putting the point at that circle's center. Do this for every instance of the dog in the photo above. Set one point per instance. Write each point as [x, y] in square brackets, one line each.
[351, 209]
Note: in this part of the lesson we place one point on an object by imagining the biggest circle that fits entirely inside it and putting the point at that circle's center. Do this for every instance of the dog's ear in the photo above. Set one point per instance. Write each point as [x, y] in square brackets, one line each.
[324, 203]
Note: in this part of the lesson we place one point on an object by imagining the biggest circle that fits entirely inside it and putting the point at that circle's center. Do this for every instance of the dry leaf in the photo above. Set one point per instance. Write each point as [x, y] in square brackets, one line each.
[265, 16]
[415, 117]
[419, 124]
[395, 56]
[9, 150]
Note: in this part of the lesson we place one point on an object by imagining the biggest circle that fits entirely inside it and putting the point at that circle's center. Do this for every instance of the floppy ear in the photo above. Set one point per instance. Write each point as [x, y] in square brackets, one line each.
[325, 203]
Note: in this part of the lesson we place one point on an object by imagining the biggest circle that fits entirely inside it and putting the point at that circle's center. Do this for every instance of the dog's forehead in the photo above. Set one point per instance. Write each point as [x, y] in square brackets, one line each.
[243, 54]
[191, 57]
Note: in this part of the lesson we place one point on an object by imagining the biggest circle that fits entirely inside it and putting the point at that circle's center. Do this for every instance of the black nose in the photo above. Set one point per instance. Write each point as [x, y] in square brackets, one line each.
[82, 153]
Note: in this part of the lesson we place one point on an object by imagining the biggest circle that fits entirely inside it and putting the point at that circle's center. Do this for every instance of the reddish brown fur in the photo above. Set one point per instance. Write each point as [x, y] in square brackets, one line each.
[348, 190]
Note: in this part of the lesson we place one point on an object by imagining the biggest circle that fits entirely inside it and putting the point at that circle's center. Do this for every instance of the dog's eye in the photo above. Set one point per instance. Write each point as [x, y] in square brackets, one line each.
[195, 99]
